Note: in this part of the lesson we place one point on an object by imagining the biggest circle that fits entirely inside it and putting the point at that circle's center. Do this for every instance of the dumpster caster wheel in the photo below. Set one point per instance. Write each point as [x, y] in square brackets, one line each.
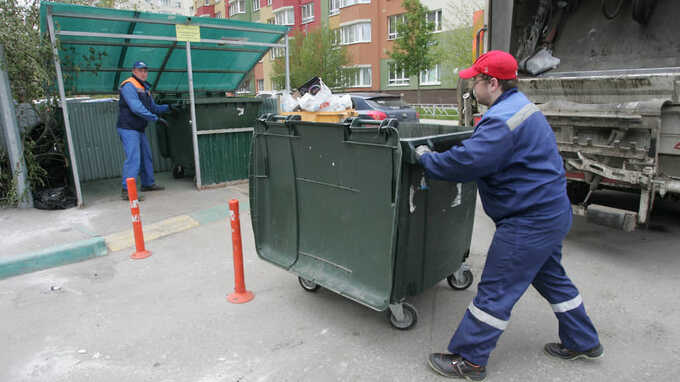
[309, 286]
[402, 316]
[178, 172]
[460, 280]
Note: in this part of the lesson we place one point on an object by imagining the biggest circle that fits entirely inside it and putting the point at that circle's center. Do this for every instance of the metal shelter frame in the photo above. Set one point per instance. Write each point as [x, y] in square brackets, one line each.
[128, 38]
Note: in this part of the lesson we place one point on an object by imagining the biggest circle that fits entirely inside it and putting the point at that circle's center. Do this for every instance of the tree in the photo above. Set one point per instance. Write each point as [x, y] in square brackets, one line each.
[412, 50]
[312, 53]
[455, 48]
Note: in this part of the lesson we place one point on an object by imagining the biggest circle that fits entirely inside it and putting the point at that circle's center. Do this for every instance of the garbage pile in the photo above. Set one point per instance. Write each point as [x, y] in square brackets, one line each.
[314, 96]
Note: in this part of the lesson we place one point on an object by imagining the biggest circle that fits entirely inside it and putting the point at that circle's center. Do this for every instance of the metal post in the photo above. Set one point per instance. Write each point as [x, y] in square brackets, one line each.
[15, 146]
[64, 107]
[194, 136]
[287, 65]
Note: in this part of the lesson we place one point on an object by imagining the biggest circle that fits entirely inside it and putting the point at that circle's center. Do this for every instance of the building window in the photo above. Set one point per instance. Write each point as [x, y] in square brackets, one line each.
[347, 3]
[392, 22]
[256, 5]
[236, 7]
[206, 2]
[178, 4]
[435, 17]
[397, 76]
[430, 76]
[358, 77]
[357, 32]
[333, 7]
[275, 53]
[165, 3]
[269, 3]
[260, 85]
[336, 37]
[284, 16]
[244, 88]
[307, 12]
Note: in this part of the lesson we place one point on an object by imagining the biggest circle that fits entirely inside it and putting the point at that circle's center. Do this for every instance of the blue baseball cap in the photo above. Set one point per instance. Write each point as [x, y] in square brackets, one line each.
[139, 65]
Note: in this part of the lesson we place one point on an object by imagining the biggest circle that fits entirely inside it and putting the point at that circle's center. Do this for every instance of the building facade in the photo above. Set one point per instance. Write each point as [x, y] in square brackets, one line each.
[366, 27]
[172, 7]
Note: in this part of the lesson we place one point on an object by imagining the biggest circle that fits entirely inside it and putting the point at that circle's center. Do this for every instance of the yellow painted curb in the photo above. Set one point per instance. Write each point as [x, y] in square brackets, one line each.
[125, 239]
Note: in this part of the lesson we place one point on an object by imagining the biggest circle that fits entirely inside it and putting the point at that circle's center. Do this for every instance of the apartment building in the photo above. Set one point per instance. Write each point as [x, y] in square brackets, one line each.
[366, 27]
[172, 7]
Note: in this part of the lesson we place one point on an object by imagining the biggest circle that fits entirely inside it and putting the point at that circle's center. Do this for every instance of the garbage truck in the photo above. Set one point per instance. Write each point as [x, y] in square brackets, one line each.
[606, 74]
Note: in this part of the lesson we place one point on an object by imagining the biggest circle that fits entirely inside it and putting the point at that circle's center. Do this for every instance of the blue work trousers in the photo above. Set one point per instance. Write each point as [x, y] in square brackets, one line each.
[524, 251]
[138, 160]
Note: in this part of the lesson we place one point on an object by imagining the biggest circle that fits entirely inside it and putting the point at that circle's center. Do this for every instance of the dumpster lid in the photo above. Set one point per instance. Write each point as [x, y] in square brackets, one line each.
[97, 47]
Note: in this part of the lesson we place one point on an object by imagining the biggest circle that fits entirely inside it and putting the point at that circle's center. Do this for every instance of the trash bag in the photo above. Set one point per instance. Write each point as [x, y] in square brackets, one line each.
[311, 86]
[57, 198]
[540, 62]
[288, 102]
[338, 103]
[316, 98]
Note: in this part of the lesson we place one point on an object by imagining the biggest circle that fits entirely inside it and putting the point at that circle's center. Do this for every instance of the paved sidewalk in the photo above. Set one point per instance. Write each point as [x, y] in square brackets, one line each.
[166, 318]
[37, 239]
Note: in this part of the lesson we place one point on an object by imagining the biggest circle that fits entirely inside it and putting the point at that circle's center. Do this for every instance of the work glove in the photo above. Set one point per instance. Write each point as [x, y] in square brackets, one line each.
[176, 107]
[421, 150]
[162, 122]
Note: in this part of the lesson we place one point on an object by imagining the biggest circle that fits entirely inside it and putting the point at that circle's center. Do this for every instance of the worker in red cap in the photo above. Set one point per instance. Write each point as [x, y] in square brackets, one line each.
[513, 157]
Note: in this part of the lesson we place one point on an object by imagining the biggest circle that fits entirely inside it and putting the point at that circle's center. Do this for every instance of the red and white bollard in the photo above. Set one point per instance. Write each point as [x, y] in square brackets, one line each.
[141, 252]
[240, 294]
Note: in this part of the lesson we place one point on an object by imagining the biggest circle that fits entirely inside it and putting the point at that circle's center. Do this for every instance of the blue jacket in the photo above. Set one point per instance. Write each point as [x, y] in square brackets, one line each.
[136, 106]
[513, 157]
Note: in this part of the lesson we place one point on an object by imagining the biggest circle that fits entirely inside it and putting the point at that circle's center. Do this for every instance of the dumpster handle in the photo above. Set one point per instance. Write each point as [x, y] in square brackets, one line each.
[358, 122]
[277, 117]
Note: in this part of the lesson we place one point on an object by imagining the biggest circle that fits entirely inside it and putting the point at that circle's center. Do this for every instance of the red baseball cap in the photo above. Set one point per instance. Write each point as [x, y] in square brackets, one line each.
[494, 63]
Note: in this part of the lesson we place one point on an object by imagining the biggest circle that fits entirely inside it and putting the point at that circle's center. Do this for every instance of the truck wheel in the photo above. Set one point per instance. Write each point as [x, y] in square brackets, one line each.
[577, 191]
[309, 286]
[408, 321]
[462, 284]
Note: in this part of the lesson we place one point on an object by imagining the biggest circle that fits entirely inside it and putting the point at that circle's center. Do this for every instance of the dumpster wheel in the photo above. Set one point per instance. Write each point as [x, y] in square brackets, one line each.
[309, 286]
[461, 283]
[409, 313]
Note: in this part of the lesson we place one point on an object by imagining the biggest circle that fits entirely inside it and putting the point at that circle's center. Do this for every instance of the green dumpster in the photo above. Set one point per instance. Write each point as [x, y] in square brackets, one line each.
[346, 206]
[223, 126]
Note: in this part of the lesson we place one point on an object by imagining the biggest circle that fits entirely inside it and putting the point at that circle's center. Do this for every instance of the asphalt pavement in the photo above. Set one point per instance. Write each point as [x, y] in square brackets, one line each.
[166, 318]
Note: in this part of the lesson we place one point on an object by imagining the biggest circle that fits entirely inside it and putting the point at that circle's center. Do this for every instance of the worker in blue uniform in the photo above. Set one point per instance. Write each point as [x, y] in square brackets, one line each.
[513, 157]
[136, 109]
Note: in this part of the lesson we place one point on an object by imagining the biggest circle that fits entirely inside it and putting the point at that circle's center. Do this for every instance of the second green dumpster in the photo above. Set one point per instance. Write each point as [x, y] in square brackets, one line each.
[224, 132]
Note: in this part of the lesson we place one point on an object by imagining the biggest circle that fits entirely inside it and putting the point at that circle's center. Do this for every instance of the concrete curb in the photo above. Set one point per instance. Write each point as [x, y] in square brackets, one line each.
[101, 245]
[53, 257]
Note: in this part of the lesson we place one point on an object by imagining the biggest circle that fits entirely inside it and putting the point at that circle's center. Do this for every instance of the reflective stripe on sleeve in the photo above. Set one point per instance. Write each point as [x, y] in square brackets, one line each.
[487, 318]
[567, 305]
[527, 111]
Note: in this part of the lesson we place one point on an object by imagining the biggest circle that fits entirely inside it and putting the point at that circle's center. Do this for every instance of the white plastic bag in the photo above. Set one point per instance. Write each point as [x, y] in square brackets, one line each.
[288, 102]
[318, 101]
[338, 103]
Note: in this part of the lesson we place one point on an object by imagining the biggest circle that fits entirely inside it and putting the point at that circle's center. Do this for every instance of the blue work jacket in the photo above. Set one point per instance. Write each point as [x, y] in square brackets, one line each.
[136, 106]
[513, 156]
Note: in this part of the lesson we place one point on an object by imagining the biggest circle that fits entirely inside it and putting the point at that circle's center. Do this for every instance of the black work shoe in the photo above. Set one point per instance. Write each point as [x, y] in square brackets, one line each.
[454, 366]
[153, 187]
[559, 351]
[124, 196]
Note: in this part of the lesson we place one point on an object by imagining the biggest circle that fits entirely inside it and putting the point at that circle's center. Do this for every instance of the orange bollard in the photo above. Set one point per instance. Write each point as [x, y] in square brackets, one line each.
[240, 294]
[141, 252]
